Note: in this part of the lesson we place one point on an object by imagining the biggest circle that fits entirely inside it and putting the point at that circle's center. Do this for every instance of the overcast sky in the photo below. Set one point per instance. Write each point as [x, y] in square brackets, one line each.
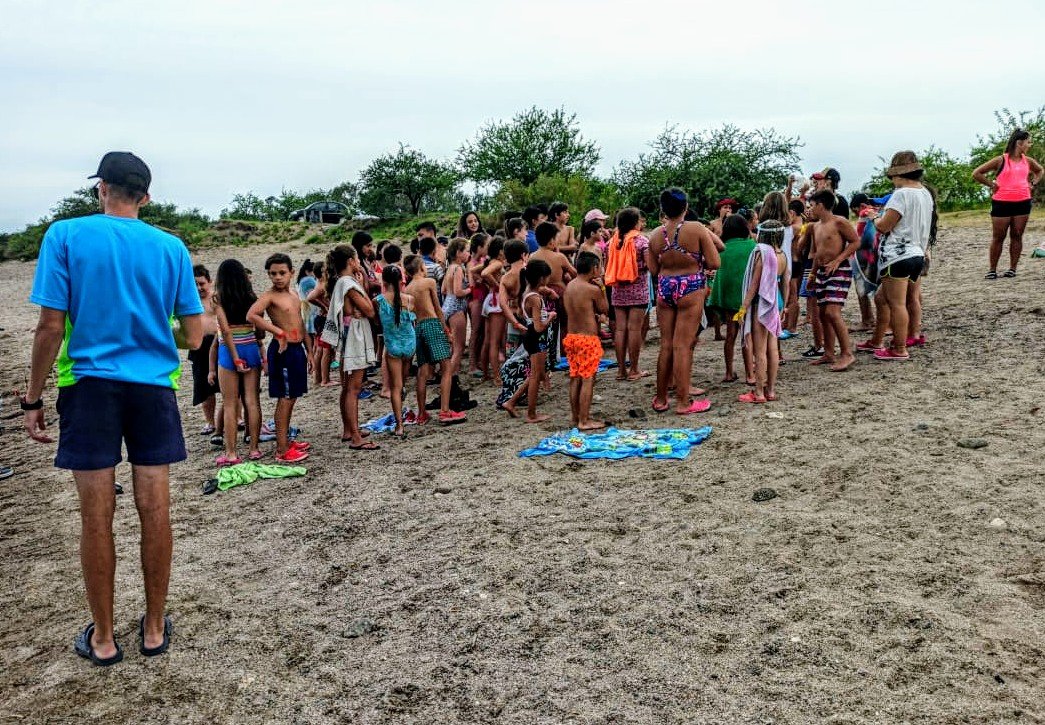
[223, 97]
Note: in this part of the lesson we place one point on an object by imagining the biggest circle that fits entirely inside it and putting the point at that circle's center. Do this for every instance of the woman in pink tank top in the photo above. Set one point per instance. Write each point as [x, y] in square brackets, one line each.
[1015, 173]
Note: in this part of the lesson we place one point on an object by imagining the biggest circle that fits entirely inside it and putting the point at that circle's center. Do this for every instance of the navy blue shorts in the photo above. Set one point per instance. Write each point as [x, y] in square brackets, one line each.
[288, 371]
[97, 416]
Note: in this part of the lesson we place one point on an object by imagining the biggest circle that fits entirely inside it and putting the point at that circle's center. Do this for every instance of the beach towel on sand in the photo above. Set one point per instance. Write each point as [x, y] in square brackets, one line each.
[386, 423]
[615, 443]
[244, 473]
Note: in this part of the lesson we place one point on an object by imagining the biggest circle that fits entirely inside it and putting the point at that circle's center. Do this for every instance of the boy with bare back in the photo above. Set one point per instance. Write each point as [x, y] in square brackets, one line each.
[510, 290]
[584, 300]
[433, 341]
[289, 352]
[562, 272]
[834, 242]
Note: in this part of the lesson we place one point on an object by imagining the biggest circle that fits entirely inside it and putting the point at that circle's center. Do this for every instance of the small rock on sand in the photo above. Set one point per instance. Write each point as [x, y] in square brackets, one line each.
[443, 489]
[763, 494]
[998, 523]
[360, 627]
[972, 443]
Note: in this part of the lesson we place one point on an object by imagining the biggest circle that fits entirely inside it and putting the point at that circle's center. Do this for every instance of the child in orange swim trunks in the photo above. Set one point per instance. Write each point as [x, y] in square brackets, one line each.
[584, 301]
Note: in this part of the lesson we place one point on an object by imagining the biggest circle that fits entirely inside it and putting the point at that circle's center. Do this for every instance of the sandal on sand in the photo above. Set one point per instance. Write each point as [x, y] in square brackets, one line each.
[224, 460]
[991, 275]
[866, 346]
[751, 398]
[366, 446]
[168, 628]
[82, 645]
[697, 406]
[207, 430]
[255, 456]
[887, 354]
[660, 408]
[1010, 274]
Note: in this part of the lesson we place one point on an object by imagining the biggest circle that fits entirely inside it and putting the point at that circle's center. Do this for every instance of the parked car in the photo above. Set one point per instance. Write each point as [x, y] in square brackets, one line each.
[325, 212]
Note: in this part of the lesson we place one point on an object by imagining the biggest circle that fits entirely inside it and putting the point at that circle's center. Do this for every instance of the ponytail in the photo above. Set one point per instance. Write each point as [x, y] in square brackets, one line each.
[391, 276]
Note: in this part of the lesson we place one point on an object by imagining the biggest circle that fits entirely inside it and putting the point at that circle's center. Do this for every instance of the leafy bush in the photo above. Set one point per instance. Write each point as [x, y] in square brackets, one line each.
[533, 144]
[407, 182]
[709, 165]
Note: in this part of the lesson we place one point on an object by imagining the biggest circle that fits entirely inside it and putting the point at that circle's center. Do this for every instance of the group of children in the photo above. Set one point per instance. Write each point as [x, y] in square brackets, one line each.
[510, 304]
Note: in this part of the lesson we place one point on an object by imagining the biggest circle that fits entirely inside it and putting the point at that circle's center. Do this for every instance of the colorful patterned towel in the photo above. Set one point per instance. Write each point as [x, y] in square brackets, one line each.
[615, 443]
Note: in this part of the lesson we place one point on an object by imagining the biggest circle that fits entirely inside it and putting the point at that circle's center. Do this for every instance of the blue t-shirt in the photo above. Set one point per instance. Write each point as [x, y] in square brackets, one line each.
[120, 283]
[531, 241]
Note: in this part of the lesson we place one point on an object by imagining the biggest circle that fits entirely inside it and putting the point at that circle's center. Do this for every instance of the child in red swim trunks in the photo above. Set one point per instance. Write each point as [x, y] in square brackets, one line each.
[584, 301]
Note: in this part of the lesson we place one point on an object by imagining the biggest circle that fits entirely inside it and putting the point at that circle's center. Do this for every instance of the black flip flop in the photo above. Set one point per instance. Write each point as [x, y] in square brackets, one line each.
[991, 275]
[82, 645]
[168, 629]
[210, 486]
[1010, 273]
[366, 446]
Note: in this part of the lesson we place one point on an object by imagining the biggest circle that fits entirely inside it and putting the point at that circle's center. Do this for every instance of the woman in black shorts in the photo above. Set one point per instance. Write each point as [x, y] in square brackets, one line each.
[1015, 174]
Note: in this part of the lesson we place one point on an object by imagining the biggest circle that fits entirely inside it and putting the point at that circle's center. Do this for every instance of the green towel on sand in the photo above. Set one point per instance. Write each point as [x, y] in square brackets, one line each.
[244, 473]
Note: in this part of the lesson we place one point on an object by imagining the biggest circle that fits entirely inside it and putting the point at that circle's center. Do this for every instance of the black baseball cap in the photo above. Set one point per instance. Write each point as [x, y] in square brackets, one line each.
[124, 169]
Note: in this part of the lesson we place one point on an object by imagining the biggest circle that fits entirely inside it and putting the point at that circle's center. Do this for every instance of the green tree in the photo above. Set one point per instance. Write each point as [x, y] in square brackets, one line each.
[533, 144]
[578, 191]
[709, 165]
[407, 182]
[81, 203]
[949, 176]
[993, 144]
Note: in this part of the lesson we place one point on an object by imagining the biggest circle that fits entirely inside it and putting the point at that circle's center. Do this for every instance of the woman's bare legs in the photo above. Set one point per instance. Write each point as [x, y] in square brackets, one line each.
[665, 356]
[684, 337]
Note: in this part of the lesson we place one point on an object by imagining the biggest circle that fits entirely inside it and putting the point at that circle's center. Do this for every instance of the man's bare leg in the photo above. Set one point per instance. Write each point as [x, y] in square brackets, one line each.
[98, 552]
[152, 499]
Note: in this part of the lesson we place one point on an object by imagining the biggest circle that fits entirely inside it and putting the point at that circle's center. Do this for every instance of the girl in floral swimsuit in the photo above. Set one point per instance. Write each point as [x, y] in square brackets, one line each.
[680, 254]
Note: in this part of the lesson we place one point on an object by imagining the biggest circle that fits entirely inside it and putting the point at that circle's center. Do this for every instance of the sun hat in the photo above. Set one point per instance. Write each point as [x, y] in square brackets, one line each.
[904, 162]
[595, 214]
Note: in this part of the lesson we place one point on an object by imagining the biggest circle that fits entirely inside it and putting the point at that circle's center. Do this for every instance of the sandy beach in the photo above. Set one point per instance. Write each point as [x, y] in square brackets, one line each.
[896, 577]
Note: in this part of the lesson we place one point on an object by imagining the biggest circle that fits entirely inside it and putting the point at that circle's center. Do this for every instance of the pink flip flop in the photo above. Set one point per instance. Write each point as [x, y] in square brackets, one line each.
[697, 406]
[223, 460]
[750, 398]
[660, 408]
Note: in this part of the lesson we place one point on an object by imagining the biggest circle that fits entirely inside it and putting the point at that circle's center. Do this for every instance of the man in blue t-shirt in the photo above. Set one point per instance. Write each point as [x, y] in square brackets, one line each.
[109, 287]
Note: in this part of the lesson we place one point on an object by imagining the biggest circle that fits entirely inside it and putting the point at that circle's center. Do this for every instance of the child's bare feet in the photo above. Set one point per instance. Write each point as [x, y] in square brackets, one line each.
[509, 408]
[825, 360]
[637, 375]
[592, 425]
[386, 394]
[537, 418]
[843, 363]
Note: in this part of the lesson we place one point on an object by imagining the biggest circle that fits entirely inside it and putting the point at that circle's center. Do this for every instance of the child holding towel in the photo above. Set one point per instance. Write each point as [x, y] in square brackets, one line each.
[765, 282]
